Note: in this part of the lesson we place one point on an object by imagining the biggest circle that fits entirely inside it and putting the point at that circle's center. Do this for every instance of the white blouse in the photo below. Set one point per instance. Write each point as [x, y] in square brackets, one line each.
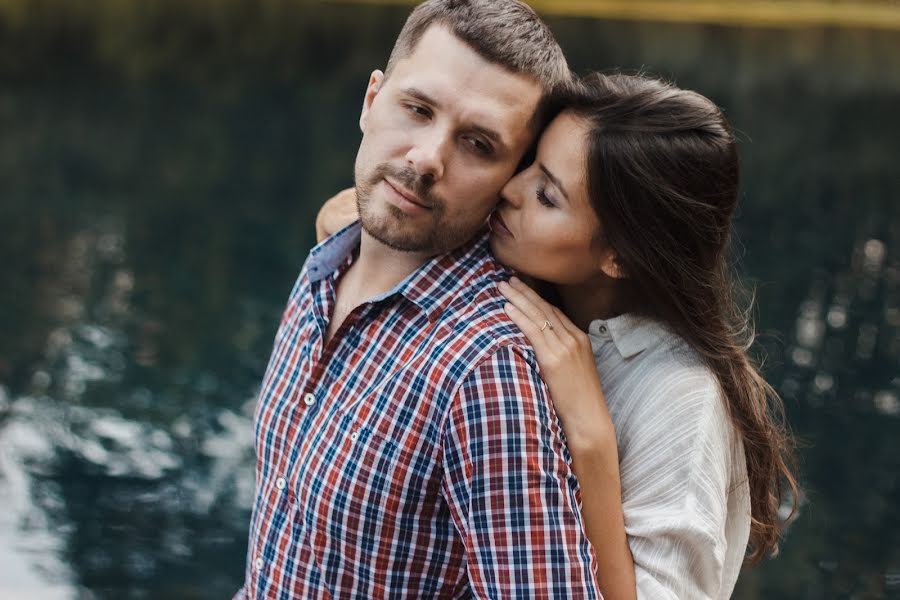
[685, 494]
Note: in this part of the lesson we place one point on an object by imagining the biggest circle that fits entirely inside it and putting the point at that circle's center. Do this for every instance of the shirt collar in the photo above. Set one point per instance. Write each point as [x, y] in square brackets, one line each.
[430, 287]
[631, 334]
[326, 257]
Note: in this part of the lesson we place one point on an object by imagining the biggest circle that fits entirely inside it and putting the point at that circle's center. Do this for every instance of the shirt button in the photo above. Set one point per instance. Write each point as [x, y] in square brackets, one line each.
[603, 329]
[258, 564]
[354, 435]
[309, 399]
[280, 483]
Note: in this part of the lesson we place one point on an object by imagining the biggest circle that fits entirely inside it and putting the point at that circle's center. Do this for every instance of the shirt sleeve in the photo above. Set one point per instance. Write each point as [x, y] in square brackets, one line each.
[676, 479]
[510, 488]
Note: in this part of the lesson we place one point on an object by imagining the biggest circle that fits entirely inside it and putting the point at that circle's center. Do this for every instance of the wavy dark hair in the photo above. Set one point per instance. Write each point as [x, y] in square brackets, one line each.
[663, 175]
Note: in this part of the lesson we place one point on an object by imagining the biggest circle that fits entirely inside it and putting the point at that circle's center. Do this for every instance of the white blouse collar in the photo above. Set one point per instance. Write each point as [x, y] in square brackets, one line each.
[631, 334]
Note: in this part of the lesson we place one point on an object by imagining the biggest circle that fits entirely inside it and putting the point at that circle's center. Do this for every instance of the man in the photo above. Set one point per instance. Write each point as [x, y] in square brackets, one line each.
[406, 446]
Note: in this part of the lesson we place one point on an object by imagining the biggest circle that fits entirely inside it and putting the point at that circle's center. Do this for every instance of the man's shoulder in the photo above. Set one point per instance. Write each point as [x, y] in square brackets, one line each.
[476, 319]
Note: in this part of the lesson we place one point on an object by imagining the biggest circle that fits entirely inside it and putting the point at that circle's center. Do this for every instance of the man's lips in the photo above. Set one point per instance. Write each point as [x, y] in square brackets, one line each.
[499, 225]
[406, 194]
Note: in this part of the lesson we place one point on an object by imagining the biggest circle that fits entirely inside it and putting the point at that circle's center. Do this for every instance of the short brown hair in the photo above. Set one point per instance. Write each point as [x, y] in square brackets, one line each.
[504, 32]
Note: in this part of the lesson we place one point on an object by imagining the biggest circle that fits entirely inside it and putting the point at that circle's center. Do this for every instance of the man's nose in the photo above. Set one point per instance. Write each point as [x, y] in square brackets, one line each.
[427, 155]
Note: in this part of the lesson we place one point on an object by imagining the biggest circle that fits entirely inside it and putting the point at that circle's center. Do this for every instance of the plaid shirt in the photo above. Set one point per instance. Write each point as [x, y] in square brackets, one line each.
[417, 454]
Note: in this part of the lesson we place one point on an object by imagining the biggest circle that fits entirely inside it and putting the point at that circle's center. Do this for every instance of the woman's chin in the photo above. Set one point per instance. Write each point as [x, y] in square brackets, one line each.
[500, 248]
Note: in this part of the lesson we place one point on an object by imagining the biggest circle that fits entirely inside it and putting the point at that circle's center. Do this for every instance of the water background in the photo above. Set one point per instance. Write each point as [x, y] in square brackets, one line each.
[160, 168]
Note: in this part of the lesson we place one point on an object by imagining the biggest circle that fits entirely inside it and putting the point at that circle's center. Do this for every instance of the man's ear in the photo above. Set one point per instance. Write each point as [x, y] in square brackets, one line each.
[375, 81]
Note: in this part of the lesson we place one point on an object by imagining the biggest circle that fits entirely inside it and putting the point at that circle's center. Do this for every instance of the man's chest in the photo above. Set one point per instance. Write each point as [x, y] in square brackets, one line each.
[353, 427]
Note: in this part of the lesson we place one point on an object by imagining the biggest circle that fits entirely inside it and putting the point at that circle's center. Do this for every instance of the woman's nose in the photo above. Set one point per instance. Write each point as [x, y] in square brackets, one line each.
[512, 192]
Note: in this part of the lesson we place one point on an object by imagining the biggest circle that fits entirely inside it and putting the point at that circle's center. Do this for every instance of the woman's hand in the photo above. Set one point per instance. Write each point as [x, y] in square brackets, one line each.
[567, 365]
[337, 212]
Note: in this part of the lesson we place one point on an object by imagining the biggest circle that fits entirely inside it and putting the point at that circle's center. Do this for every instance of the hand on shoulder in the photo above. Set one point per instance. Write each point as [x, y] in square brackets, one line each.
[566, 363]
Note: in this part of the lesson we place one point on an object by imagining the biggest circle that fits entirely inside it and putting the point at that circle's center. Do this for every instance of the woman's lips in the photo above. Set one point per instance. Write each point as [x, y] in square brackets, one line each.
[498, 225]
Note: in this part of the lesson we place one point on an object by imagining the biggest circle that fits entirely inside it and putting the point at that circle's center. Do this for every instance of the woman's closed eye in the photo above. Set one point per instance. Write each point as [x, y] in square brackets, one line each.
[544, 199]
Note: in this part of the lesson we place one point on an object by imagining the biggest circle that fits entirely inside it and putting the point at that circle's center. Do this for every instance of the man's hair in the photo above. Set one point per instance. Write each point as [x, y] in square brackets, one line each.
[504, 32]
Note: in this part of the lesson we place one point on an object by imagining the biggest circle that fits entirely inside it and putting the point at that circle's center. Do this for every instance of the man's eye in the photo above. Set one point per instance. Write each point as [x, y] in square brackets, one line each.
[418, 111]
[478, 146]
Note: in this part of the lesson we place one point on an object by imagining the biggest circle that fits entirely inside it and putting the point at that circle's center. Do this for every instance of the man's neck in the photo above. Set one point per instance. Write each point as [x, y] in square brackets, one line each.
[377, 269]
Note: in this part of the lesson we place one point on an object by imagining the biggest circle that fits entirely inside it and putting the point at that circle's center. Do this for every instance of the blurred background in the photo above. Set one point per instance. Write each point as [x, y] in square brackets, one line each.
[161, 163]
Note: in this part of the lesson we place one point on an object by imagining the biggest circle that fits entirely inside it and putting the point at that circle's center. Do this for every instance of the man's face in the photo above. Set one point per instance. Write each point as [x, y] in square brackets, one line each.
[441, 136]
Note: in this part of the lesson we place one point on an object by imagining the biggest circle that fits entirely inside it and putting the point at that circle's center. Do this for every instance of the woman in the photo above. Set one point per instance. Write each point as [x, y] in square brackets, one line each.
[674, 435]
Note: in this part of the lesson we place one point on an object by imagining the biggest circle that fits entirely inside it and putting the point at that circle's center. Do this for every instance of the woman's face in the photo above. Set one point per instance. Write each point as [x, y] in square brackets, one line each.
[545, 226]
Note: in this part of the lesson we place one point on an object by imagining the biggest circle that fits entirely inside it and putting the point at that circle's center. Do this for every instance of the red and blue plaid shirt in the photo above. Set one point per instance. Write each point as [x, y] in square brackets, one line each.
[417, 454]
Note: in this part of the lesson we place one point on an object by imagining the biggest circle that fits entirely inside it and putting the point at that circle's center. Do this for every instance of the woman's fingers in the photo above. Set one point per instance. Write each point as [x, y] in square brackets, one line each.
[531, 295]
[552, 313]
[568, 340]
[518, 295]
[542, 348]
[563, 321]
[537, 326]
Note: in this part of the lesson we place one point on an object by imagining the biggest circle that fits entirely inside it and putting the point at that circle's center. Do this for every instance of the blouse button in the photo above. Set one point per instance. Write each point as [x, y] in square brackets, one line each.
[280, 483]
[258, 564]
[354, 435]
[309, 399]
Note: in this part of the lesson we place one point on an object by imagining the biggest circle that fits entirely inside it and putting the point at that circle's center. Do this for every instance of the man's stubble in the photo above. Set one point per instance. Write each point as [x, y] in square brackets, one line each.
[430, 234]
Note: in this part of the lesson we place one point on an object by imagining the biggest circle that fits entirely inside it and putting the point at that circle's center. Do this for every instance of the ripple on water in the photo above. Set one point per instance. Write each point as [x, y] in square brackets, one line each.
[39, 430]
[29, 548]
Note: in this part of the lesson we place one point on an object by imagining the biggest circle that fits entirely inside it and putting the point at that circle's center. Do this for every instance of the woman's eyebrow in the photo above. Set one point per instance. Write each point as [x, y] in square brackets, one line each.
[554, 179]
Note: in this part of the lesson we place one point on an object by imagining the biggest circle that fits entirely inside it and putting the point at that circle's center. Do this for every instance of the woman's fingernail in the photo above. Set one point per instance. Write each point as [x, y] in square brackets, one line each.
[514, 279]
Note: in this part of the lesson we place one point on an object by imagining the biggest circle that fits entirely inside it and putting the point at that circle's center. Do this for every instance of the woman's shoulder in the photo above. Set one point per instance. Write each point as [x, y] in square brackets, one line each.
[673, 382]
[665, 402]
[684, 488]
[650, 373]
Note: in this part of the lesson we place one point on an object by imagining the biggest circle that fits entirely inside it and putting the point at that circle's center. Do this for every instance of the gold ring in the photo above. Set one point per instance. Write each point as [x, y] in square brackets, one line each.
[546, 325]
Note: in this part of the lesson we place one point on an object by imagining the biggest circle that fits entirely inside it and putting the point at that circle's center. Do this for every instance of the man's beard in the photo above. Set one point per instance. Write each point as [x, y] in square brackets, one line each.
[427, 234]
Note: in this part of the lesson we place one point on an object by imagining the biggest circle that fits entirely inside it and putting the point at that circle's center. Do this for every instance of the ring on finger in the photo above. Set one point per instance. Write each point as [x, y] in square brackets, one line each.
[546, 325]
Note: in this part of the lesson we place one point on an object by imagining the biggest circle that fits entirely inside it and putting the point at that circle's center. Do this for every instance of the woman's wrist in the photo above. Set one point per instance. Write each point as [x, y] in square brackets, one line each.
[592, 432]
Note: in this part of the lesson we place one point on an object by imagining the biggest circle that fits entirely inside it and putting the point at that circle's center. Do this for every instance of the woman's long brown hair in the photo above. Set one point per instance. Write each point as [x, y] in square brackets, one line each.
[663, 176]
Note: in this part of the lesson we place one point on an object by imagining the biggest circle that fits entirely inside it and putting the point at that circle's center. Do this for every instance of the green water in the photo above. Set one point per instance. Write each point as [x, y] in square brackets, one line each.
[160, 168]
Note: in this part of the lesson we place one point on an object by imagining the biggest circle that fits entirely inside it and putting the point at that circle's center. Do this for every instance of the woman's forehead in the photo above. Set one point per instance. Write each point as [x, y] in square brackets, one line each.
[562, 150]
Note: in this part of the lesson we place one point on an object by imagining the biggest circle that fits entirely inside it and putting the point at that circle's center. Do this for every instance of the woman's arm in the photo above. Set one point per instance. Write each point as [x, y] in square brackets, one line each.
[567, 367]
[337, 212]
